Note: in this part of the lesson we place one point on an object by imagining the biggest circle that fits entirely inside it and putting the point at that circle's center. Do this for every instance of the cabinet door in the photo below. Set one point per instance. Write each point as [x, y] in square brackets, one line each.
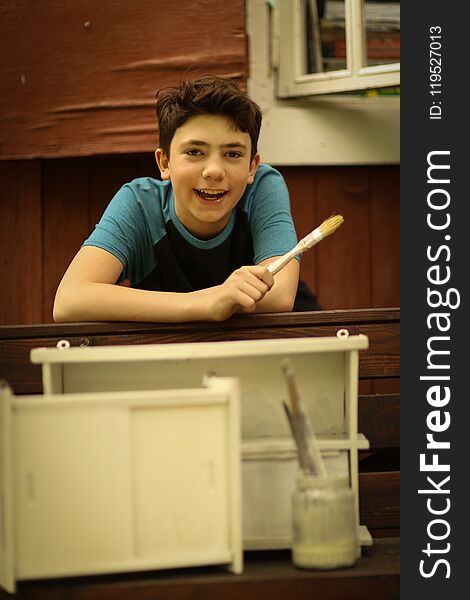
[122, 481]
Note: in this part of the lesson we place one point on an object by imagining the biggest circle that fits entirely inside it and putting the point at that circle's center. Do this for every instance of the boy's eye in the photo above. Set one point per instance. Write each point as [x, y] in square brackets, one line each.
[193, 152]
[233, 154]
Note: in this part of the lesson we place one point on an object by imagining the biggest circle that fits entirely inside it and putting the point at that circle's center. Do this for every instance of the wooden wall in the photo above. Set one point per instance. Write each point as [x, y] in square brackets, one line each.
[79, 78]
[48, 207]
[77, 121]
[359, 266]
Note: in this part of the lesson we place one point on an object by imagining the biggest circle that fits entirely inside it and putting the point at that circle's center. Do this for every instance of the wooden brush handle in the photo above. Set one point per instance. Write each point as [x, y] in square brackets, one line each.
[310, 458]
[282, 261]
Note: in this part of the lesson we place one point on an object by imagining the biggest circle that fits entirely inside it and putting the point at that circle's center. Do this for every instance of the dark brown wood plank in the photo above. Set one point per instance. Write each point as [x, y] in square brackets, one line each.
[379, 499]
[66, 221]
[379, 419]
[343, 260]
[106, 175]
[392, 532]
[21, 236]
[266, 575]
[79, 78]
[385, 236]
[147, 166]
[338, 318]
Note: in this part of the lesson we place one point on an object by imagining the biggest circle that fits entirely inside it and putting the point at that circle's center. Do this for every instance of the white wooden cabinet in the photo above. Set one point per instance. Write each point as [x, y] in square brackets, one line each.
[327, 373]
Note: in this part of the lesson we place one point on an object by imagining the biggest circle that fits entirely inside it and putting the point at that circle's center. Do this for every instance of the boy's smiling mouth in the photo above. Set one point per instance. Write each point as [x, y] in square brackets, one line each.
[211, 195]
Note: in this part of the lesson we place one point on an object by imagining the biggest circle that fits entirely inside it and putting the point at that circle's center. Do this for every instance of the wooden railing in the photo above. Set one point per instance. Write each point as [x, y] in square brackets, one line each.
[380, 362]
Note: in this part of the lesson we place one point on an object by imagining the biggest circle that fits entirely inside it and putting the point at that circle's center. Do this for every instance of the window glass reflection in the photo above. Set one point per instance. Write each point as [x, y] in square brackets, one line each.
[326, 33]
[382, 25]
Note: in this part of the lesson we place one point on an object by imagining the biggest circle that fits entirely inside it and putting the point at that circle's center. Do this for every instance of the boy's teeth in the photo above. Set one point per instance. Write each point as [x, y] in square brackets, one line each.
[211, 194]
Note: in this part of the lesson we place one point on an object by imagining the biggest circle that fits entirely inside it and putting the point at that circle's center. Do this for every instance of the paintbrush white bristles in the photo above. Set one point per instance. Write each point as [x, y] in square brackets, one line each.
[322, 231]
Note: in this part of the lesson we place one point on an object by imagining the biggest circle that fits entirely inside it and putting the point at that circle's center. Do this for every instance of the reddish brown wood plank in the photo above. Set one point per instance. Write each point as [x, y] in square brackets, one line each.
[365, 386]
[385, 235]
[21, 264]
[386, 386]
[300, 182]
[79, 78]
[343, 273]
[66, 220]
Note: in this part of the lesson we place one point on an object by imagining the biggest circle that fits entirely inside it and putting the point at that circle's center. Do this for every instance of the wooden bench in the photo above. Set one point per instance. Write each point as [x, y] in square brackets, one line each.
[269, 575]
[379, 372]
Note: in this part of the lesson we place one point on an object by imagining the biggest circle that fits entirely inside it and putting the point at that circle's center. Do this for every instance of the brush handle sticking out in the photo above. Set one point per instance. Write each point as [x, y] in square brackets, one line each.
[310, 459]
[282, 261]
[326, 228]
[304, 458]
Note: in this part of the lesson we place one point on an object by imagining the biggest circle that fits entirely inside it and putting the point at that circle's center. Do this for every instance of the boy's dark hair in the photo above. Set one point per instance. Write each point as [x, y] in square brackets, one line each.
[208, 95]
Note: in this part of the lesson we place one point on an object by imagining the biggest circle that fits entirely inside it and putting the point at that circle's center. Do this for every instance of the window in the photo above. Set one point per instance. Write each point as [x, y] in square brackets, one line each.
[305, 127]
[329, 46]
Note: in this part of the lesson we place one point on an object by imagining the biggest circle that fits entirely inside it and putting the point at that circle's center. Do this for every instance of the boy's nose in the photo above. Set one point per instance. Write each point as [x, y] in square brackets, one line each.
[213, 170]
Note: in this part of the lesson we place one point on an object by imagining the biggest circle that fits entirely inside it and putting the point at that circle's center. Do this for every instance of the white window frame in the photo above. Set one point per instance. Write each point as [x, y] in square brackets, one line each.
[334, 129]
[293, 81]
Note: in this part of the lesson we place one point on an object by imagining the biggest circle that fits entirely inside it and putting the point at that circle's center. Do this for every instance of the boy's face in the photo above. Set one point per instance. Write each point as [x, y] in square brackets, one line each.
[209, 168]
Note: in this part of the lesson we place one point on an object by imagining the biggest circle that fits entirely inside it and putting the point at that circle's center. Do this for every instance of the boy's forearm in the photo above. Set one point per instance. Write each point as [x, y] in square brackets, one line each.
[276, 301]
[270, 305]
[82, 299]
[109, 302]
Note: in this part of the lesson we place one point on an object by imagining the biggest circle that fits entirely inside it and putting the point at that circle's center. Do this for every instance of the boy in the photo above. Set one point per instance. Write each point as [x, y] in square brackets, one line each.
[196, 245]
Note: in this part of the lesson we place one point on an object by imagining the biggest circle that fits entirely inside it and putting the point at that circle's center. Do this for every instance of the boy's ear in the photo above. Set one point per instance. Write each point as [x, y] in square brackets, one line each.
[163, 163]
[253, 167]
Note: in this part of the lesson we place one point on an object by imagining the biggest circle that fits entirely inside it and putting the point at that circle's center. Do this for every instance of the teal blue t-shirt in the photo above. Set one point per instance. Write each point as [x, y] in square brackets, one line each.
[141, 229]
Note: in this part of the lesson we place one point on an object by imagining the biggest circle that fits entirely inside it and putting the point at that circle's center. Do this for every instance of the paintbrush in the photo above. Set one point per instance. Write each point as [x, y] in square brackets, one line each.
[310, 459]
[322, 231]
[304, 458]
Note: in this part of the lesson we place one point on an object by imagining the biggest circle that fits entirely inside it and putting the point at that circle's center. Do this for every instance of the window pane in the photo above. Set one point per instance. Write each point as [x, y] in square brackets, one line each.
[382, 24]
[326, 35]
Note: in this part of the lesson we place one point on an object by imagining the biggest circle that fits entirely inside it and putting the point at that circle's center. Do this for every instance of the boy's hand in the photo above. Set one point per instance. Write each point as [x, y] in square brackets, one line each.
[241, 291]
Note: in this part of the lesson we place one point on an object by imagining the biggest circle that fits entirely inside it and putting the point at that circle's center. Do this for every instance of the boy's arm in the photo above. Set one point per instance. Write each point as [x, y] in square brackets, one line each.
[281, 297]
[88, 292]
